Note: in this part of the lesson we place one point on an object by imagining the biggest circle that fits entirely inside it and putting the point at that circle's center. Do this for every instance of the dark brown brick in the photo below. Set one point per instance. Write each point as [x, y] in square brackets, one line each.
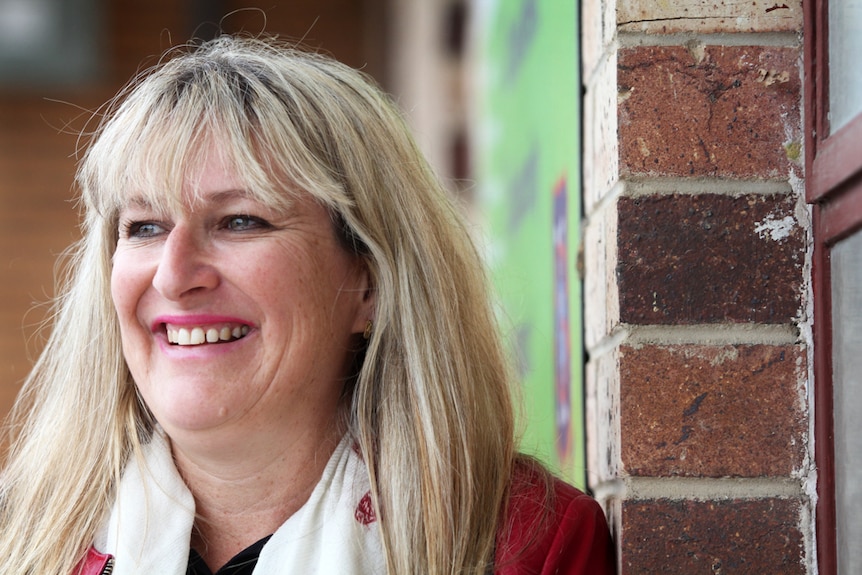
[712, 111]
[711, 411]
[690, 259]
[714, 537]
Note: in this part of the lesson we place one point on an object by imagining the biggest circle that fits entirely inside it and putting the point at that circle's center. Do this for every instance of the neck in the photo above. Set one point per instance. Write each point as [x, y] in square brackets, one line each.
[245, 493]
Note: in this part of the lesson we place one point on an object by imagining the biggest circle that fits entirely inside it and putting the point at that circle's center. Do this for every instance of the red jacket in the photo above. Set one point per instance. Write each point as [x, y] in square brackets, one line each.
[551, 528]
[95, 563]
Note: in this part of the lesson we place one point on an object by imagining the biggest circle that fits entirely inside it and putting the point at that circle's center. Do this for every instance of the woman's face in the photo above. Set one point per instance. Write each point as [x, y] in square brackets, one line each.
[233, 316]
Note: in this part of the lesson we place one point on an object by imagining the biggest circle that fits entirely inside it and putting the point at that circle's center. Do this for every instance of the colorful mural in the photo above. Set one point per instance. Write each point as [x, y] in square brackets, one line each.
[528, 190]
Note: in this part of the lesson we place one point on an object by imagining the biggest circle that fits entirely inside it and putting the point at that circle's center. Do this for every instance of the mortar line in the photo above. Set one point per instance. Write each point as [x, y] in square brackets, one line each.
[771, 39]
[615, 191]
[678, 488]
[701, 334]
[746, 334]
[692, 186]
[609, 343]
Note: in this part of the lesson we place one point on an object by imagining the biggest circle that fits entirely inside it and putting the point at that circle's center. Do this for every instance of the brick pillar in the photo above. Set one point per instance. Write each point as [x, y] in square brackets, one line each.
[697, 284]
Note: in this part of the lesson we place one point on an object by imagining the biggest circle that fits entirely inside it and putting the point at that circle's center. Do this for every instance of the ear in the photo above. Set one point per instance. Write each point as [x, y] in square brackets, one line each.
[366, 298]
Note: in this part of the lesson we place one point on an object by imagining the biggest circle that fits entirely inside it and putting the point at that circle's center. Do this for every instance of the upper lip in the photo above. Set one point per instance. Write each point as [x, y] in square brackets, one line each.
[195, 320]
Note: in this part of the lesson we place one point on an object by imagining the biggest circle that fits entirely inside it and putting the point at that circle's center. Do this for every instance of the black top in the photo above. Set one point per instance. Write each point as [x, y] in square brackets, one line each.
[242, 563]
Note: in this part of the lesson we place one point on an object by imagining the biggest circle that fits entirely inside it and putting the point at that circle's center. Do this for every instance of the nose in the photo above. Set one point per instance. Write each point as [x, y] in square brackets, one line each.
[185, 266]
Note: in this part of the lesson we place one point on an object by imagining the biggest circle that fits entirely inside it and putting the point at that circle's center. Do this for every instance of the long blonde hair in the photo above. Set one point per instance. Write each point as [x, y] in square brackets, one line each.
[430, 408]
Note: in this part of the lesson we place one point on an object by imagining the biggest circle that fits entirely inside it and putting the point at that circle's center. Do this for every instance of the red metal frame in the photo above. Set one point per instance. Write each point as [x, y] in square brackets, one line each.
[836, 162]
[814, 65]
[834, 184]
[823, 421]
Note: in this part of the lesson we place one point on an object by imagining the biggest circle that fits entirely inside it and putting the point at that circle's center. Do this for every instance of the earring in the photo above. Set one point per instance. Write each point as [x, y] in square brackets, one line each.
[369, 327]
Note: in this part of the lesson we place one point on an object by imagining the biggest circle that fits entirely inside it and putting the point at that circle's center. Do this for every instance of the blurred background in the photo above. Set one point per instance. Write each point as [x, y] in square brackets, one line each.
[490, 87]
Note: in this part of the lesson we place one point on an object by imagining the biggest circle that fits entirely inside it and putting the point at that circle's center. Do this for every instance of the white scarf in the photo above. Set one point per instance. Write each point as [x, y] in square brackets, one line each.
[150, 525]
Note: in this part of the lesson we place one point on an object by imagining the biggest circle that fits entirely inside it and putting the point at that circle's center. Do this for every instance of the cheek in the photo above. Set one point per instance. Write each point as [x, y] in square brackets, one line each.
[126, 293]
[126, 282]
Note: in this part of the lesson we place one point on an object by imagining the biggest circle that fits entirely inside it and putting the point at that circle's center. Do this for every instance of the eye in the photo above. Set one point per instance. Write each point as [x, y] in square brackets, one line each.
[241, 223]
[136, 229]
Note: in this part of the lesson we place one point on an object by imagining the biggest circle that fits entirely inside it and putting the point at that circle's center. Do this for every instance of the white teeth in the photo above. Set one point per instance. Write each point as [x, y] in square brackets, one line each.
[199, 335]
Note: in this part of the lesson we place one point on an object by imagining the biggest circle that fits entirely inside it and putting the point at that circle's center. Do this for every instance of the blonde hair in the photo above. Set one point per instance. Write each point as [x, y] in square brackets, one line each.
[430, 408]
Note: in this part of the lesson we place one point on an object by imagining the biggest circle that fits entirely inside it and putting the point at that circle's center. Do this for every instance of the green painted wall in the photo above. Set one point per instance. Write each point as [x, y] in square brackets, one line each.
[528, 189]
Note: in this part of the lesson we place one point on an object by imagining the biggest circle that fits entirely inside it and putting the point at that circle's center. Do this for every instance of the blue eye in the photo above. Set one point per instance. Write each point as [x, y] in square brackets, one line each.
[240, 223]
[142, 229]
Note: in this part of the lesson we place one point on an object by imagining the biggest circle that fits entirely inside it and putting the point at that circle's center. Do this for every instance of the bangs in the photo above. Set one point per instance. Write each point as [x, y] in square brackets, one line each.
[163, 131]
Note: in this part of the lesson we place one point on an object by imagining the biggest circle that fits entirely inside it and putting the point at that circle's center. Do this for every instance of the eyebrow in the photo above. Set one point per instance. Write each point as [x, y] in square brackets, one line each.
[219, 197]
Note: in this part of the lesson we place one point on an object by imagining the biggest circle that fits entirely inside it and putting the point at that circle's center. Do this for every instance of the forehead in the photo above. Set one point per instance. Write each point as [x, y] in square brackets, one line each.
[214, 179]
[205, 176]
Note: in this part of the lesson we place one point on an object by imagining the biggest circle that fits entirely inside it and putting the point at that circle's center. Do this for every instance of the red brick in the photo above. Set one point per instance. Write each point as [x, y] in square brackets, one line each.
[715, 537]
[692, 259]
[712, 411]
[714, 111]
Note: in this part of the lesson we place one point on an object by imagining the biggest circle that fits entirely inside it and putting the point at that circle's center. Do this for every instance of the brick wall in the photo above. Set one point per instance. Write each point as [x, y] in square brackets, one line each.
[39, 127]
[697, 250]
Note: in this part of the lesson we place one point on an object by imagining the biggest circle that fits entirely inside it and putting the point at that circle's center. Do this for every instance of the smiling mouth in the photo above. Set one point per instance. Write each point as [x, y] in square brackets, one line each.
[205, 335]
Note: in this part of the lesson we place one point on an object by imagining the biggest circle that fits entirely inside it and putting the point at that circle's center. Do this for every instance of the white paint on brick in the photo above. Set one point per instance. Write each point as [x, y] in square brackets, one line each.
[777, 230]
[601, 146]
[601, 294]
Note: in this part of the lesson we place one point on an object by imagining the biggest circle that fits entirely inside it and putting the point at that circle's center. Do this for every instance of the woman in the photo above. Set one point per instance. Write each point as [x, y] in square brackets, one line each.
[274, 348]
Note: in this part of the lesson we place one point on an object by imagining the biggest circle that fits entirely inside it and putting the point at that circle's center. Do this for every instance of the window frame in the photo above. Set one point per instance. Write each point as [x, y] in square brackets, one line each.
[834, 185]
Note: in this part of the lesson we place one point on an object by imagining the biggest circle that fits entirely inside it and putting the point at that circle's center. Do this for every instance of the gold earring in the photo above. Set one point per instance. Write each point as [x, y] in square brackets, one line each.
[369, 327]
